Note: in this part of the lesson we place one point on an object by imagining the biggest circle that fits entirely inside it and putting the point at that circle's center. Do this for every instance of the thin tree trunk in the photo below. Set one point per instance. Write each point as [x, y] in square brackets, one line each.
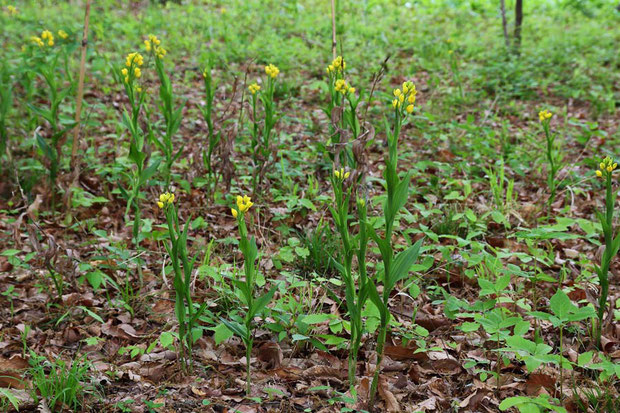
[518, 24]
[334, 44]
[502, 7]
[80, 92]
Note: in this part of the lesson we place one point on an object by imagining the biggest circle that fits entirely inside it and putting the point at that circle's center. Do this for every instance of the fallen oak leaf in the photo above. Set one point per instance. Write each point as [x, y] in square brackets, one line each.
[391, 404]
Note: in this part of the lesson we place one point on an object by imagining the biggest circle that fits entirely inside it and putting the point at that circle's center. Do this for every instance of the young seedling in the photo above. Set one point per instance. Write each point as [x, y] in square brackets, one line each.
[262, 138]
[342, 110]
[246, 288]
[612, 244]
[356, 288]
[140, 173]
[182, 266]
[395, 266]
[172, 115]
[554, 157]
[46, 66]
[564, 312]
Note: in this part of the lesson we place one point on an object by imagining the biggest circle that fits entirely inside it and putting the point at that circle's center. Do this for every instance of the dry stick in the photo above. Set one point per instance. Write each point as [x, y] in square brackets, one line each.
[334, 44]
[78, 104]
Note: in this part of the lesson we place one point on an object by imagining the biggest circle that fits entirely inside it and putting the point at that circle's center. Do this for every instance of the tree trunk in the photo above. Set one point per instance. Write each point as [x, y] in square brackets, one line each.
[518, 24]
[502, 8]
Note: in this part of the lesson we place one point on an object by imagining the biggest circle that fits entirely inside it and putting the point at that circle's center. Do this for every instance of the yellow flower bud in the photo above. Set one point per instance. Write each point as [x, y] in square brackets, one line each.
[599, 173]
[397, 92]
[124, 71]
[160, 204]
[234, 212]
[410, 109]
[347, 175]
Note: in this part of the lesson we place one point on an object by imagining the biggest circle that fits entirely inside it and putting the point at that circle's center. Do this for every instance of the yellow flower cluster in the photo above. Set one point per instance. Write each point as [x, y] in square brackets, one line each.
[153, 44]
[254, 87]
[47, 35]
[606, 167]
[165, 199]
[342, 87]
[243, 204]
[134, 58]
[342, 174]
[11, 10]
[408, 93]
[272, 70]
[152, 41]
[544, 115]
[37, 41]
[338, 65]
[62, 34]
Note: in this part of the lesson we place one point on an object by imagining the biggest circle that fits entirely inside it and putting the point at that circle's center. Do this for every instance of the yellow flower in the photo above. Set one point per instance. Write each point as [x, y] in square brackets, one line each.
[411, 98]
[124, 72]
[134, 58]
[341, 174]
[243, 203]
[165, 199]
[37, 40]
[410, 109]
[46, 34]
[543, 115]
[606, 167]
[254, 87]
[154, 40]
[330, 68]
[361, 202]
[272, 71]
[395, 103]
[401, 99]
[160, 52]
[137, 72]
[351, 90]
[147, 45]
[62, 34]
[126, 79]
[397, 92]
[11, 10]
[338, 64]
[341, 86]
[234, 212]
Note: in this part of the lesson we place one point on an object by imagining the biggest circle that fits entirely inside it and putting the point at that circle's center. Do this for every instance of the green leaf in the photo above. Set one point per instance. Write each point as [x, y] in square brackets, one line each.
[402, 264]
[166, 339]
[222, 333]
[91, 313]
[317, 318]
[561, 305]
[10, 397]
